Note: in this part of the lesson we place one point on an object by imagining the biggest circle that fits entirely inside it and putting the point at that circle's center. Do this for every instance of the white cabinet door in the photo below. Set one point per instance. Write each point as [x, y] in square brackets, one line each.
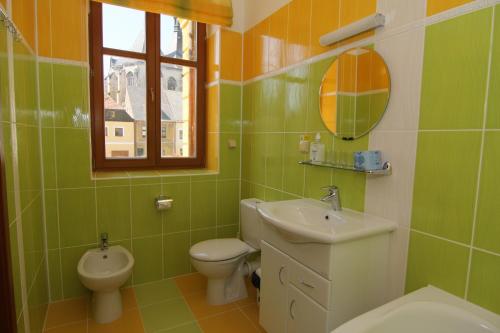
[303, 314]
[273, 288]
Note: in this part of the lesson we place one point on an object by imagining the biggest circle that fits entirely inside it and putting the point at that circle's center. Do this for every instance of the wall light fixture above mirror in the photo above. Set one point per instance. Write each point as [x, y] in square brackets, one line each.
[354, 93]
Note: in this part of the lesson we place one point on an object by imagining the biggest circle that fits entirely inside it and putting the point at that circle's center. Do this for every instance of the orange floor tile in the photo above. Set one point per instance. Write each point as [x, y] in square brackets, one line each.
[188, 292]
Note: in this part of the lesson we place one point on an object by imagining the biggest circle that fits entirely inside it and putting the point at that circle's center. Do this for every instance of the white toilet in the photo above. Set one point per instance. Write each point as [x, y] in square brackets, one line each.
[223, 261]
[104, 271]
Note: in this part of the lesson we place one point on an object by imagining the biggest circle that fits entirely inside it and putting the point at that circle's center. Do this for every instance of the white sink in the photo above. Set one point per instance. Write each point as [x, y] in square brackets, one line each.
[428, 310]
[312, 221]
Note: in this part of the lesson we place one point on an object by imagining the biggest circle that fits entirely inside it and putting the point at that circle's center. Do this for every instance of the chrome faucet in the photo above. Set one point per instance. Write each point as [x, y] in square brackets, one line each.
[333, 196]
[104, 241]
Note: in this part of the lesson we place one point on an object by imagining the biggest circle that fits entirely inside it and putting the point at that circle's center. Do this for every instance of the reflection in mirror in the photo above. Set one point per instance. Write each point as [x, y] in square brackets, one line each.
[354, 93]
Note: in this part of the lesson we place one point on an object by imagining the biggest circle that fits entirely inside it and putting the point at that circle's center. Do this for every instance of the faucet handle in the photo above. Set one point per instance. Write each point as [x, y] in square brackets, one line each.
[330, 188]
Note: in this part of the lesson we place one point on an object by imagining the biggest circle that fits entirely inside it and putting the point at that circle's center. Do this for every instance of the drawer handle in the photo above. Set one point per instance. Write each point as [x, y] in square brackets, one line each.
[308, 285]
[290, 310]
[279, 275]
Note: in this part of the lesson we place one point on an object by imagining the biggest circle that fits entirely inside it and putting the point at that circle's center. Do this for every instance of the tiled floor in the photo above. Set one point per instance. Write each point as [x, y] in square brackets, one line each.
[169, 306]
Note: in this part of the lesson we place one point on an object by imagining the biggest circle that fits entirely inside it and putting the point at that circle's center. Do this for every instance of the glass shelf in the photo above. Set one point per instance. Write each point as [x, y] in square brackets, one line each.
[385, 171]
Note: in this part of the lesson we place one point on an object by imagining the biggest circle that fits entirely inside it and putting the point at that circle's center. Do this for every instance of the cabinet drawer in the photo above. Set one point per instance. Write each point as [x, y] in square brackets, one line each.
[310, 283]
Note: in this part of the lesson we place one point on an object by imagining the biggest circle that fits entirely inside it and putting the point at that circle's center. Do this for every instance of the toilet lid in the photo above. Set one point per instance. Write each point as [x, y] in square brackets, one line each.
[218, 249]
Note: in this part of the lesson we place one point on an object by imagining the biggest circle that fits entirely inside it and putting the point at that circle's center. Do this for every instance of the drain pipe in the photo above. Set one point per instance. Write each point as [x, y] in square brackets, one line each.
[250, 267]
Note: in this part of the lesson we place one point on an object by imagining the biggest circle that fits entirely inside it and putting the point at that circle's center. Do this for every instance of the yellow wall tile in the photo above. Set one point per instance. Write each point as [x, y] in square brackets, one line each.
[3, 3]
[354, 10]
[212, 105]
[231, 49]
[437, 6]
[23, 13]
[69, 31]
[325, 18]
[44, 35]
[212, 58]
[261, 64]
[298, 34]
[277, 39]
[248, 58]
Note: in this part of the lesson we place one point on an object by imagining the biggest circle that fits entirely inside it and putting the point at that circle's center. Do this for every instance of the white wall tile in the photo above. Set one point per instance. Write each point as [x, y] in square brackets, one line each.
[397, 262]
[403, 54]
[391, 197]
[401, 12]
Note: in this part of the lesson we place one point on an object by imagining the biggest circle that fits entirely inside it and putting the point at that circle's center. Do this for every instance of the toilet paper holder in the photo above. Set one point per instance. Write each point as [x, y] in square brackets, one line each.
[163, 202]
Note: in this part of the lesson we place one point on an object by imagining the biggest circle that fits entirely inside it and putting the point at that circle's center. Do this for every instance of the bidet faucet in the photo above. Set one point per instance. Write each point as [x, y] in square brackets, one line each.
[104, 241]
[333, 196]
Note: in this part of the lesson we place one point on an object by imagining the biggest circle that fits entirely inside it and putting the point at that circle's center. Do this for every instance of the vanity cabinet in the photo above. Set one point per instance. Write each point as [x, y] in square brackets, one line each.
[314, 288]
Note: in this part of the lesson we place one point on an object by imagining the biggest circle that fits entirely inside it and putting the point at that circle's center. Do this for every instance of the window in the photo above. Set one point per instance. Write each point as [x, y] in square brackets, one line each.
[119, 131]
[150, 68]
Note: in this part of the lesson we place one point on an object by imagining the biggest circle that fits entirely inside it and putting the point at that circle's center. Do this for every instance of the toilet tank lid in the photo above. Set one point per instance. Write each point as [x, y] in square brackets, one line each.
[219, 249]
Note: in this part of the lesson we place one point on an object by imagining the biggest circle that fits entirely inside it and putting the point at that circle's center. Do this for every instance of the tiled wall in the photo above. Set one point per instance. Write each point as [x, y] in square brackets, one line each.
[19, 119]
[442, 143]
[81, 205]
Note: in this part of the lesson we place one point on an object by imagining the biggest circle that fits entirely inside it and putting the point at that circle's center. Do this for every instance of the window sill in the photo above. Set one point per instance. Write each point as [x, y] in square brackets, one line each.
[110, 175]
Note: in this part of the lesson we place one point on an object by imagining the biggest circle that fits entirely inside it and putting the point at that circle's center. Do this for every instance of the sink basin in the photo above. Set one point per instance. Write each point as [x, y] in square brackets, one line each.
[429, 310]
[312, 221]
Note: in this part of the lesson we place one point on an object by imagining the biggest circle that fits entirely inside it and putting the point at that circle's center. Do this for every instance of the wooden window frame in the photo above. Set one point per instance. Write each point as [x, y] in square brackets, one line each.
[153, 60]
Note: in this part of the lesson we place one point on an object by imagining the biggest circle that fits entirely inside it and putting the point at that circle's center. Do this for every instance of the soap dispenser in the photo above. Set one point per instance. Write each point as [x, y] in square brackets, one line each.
[317, 150]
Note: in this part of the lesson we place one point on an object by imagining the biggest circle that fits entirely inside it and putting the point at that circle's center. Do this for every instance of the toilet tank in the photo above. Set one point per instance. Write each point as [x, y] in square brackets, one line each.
[251, 222]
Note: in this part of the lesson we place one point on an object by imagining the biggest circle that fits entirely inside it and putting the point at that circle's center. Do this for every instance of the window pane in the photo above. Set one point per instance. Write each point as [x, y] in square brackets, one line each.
[123, 28]
[125, 107]
[178, 109]
[178, 38]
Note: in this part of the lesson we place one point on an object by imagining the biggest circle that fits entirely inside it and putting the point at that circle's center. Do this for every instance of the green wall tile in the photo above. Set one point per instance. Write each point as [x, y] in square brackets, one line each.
[258, 158]
[455, 72]
[52, 219]
[437, 262]
[146, 219]
[77, 217]
[229, 157]
[70, 105]
[203, 202]
[8, 170]
[70, 257]
[230, 108]
[4, 77]
[445, 184]
[246, 156]
[176, 254]
[228, 204]
[177, 218]
[228, 231]
[487, 227]
[28, 151]
[25, 87]
[113, 212]
[73, 158]
[247, 112]
[38, 300]
[49, 158]
[296, 99]
[318, 70]
[493, 118]
[316, 178]
[273, 195]
[46, 94]
[16, 275]
[33, 243]
[55, 282]
[274, 160]
[274, 102]
[293, 178]
[483, 285]
[148, 259]
[202, 234]
[260, 114]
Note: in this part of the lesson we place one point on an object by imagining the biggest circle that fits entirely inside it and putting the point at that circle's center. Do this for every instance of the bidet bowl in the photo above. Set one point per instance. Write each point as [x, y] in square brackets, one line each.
[104, 272]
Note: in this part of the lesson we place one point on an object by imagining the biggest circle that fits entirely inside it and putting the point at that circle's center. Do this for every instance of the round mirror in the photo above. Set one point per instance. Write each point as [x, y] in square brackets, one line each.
[354, 93]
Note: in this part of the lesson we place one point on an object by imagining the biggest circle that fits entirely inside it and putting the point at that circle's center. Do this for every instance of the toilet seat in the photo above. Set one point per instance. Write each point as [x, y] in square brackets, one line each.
[221, 249]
